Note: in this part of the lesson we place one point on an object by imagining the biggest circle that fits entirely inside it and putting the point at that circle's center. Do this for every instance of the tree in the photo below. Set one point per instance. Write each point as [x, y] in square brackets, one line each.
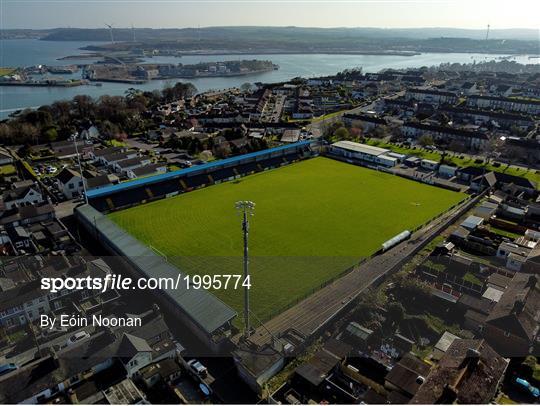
[108, 129]
[26, 133]
[50, 134]
[6, 134]
[426, 140]
[396, 313]
[84, 107]
[356, 133]
[342, 133]
[528, 366]
[246, 87]
[378, 132]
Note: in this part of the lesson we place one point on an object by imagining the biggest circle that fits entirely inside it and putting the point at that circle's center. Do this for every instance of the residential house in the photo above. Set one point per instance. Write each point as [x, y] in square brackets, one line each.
[27, 301]
[470, 139]
[22, 196]
[513, 325]
[29, 215]
[292, 135]
[21, 239]
[503, 118]
[101, 181]
[70, 183]
[147, 170]
[469, 88]
[96, 154]
[469, 372]
[125, 165]
[431, 96]
[407, 376]
[67, 149]
[123, 353]
[111, 159]
[164, 371]
[363, 121]
[528, 106]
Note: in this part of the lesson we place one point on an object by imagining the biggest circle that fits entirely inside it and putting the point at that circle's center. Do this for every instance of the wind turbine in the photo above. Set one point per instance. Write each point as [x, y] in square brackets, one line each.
[111, 30]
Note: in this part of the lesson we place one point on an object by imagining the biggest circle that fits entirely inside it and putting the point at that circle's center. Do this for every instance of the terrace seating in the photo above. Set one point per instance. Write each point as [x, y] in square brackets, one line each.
[194, 179]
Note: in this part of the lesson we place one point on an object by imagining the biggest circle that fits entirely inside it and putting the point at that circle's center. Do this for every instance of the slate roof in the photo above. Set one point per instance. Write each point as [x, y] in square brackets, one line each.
[66, 175]
[405, 373]
[518, 310]
[469, 372]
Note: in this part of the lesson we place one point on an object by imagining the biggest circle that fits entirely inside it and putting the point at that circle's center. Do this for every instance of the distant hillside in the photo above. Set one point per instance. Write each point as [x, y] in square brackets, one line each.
[149, 34]
[303, 40]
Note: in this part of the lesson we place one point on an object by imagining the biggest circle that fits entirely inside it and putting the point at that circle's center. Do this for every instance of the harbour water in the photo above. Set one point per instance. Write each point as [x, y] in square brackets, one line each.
[34, 52]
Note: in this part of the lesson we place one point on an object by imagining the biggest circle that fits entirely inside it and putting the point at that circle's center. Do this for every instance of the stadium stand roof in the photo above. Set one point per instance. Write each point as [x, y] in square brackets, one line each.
[194, 169]
[205, 309]
[362, 148]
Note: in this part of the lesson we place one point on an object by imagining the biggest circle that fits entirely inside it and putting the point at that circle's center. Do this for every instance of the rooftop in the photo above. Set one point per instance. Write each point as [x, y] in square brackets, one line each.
[362, 148]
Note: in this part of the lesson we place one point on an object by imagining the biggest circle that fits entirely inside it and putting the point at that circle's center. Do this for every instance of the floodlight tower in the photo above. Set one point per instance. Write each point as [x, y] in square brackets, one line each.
[246, 208]
[75, 136]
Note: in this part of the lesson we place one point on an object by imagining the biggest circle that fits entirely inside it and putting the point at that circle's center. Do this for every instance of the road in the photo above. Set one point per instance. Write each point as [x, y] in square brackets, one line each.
[314, 312]
[317, 127]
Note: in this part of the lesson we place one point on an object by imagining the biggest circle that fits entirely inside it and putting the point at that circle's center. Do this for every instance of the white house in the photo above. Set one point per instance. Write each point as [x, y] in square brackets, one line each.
[22, 196]
[131, 163]
[70, 183]
[431, 96]
[111, 159]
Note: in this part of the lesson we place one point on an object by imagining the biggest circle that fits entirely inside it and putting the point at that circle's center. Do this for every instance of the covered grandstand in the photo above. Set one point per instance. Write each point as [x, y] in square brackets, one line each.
[168, 184]
[203, 313]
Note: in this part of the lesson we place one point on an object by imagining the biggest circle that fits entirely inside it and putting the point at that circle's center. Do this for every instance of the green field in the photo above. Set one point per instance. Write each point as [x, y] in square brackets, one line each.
[313, 219]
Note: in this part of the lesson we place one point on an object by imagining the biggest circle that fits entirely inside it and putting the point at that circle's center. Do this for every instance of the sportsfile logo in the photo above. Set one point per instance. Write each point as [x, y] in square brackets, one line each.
[119, 282]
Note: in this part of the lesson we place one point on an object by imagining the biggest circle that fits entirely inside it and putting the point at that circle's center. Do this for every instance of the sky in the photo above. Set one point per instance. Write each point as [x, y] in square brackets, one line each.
[307, 13]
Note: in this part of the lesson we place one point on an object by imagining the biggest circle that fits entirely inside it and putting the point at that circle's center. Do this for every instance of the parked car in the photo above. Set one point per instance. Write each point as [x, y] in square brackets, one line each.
[7, 368]
[197, 368]
[527, 387]
[75, 338]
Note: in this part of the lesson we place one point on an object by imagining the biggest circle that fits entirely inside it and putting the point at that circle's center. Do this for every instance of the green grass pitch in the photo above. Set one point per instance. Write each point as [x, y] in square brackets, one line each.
[313, 219]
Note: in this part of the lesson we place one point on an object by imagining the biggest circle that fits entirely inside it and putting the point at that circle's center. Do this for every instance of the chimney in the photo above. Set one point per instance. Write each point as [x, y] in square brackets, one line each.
[518, 307]
[156, 308]
[473, 357]
[449, 395]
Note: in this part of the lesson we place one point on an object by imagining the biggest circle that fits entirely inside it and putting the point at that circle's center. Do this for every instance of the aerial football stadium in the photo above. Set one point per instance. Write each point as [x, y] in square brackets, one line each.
[315, 217]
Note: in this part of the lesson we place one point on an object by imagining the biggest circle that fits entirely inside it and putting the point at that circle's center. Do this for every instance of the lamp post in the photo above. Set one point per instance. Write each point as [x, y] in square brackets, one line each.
[246, 208]
[75, 135]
